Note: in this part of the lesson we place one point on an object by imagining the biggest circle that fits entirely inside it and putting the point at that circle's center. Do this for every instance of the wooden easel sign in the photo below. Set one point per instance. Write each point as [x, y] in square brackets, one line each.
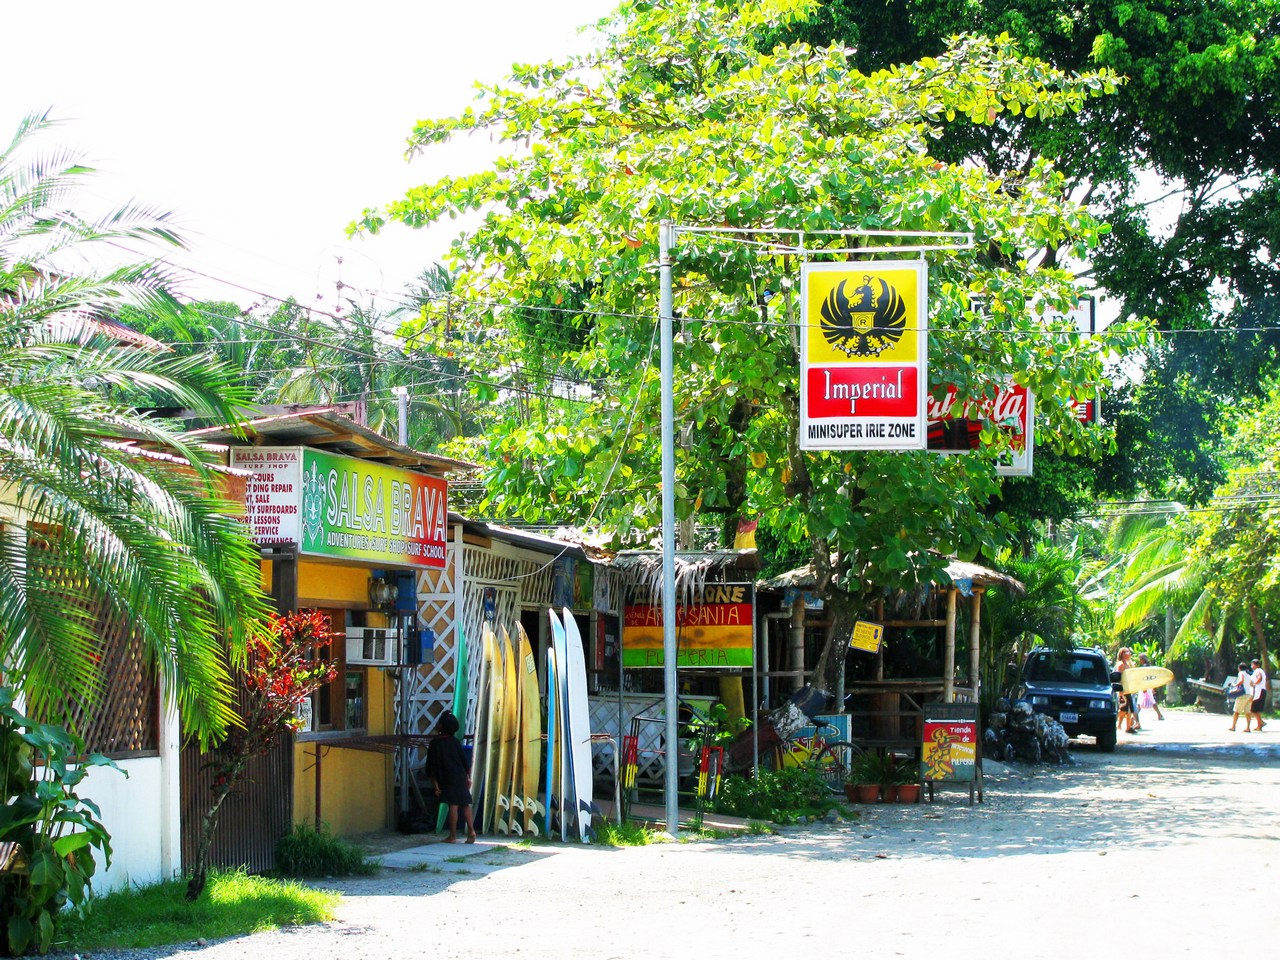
[951, 751]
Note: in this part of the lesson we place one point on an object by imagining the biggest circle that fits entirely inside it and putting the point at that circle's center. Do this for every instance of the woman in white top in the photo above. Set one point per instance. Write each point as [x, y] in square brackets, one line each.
[1244, 700]
[1258, 679]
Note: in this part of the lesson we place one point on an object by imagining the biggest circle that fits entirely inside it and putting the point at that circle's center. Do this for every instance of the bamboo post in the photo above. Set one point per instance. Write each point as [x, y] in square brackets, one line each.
[975, 661]
[949, 656]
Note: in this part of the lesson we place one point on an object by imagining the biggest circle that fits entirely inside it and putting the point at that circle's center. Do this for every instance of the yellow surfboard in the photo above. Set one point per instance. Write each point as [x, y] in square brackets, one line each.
[1137, 679]
[494, 739]
[530, 733]
[515, 800]
[508, 712]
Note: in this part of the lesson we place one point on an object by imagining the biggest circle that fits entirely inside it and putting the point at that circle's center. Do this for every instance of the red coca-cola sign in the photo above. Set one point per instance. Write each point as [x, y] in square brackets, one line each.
[957, 429]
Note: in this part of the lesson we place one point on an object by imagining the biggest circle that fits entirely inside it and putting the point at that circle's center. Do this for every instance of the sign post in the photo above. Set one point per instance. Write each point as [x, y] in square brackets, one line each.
[866, 636]
[336, 506]
[714, 631]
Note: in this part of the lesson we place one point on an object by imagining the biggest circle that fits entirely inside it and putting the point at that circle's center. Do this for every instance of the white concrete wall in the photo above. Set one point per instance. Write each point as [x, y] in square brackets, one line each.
[142, 813]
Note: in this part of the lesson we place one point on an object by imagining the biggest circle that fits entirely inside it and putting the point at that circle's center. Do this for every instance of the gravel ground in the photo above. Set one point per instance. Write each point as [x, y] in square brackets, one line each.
[1176, 833]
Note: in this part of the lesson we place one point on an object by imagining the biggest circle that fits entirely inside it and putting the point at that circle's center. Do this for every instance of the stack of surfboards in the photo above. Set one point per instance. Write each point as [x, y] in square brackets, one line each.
[506, 762]
[569, 792]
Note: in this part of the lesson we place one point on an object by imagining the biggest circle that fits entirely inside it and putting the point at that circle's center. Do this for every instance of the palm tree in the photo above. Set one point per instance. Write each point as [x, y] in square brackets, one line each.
[1053, 611]
[97, 523]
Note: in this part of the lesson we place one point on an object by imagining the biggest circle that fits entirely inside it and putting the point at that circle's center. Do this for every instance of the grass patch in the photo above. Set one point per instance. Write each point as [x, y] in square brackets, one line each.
[307, 852]
[758, 828]
[706, 833]
[232, 904]
[610, 834]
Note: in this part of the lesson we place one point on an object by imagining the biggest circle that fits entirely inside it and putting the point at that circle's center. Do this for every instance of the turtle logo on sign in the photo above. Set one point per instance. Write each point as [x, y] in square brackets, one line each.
[869, 323]
[314, 504]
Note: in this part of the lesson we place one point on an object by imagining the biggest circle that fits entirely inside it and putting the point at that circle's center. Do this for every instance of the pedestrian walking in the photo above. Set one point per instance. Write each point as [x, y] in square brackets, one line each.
[1241, 690]
[1147, 699]
[1258, 678]
[1127, 718]
[447, 767]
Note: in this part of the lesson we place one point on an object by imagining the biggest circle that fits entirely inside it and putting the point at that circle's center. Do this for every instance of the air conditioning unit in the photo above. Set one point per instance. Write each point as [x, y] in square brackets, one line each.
[373, 646]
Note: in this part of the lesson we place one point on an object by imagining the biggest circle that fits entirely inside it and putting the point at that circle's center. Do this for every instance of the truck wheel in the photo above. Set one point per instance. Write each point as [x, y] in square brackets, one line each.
[1107, 740]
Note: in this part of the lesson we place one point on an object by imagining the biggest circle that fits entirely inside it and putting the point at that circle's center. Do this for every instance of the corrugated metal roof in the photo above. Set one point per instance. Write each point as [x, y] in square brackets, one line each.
[325, 429]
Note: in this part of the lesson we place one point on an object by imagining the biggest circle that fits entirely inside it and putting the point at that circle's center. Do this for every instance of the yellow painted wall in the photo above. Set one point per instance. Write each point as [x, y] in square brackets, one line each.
[357, 784]
[356, 787]
[333, 583]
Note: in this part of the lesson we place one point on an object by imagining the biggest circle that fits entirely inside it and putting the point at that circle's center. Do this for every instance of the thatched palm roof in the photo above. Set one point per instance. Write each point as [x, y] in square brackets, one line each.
[642, 570]
[963, 574]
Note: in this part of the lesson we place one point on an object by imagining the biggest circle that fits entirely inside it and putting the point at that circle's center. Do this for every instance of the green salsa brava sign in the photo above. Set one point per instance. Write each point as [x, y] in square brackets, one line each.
[335, 506]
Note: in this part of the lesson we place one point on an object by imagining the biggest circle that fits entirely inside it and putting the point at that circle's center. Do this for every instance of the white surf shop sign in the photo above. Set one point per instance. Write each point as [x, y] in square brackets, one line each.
[863, 355]
[335, 506]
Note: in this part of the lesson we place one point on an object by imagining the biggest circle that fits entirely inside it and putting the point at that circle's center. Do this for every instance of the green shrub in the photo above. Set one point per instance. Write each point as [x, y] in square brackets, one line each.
[55, 830]
[610, 834]
[308, 852]
[777, 795]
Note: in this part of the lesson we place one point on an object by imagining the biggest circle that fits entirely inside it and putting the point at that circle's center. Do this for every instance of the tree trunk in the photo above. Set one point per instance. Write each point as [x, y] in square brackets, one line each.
[823, 692]
[1260, 635]
[208, 824]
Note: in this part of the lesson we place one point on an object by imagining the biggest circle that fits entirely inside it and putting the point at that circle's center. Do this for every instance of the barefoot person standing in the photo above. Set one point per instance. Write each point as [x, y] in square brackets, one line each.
[1259, 704]
[1127, 716]
[447, 767]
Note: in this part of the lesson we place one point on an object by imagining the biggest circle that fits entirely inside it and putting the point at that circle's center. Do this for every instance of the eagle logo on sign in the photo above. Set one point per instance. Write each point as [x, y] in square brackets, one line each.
[866, 324]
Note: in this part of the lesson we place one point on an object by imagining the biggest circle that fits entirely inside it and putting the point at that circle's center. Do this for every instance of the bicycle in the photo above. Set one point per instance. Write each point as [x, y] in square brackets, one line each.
[831, 758]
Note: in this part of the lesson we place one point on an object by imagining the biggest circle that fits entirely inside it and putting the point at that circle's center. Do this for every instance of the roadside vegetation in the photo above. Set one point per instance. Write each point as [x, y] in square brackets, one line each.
[234, 904]
[310, 852]
[777, 796]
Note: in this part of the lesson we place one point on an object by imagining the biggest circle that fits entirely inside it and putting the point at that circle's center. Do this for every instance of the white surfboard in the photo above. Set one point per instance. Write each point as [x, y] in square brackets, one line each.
[566, 803]
[480, 743]
[579, 730]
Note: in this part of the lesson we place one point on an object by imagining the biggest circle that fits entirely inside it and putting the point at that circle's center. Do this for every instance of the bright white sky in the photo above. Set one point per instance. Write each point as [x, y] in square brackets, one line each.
[268, 126]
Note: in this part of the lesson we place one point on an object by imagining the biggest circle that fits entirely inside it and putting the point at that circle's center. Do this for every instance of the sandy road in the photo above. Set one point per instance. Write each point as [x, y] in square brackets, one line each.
[1184, 842]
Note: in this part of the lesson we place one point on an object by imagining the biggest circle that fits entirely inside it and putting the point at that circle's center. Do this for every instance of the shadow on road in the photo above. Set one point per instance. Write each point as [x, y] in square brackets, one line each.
[1136, 799]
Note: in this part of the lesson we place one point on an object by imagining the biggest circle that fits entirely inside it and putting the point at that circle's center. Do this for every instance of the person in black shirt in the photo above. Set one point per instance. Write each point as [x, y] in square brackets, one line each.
[447, 767]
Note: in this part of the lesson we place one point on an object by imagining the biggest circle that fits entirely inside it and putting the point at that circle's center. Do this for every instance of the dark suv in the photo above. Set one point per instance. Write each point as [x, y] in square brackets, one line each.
[1073, 687]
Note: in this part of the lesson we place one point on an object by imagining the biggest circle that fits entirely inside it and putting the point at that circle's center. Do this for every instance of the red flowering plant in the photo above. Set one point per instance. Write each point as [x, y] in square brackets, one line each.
[283, 668]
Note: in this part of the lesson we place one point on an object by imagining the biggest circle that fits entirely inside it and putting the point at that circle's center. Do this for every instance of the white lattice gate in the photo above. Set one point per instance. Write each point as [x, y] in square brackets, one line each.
[505, 578]
[430, 685]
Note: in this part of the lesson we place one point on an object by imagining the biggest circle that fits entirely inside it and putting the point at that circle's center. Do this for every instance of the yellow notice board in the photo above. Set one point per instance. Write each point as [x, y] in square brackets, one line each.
[866, 636]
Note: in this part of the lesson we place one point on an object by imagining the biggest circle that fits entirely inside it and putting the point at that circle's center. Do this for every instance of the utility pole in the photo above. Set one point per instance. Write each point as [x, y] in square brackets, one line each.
[402, 401]
[666, 240]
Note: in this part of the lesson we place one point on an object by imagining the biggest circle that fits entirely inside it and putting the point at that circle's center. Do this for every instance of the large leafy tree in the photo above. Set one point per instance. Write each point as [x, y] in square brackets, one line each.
[680, 117]
[1181, 162]
[94, 526]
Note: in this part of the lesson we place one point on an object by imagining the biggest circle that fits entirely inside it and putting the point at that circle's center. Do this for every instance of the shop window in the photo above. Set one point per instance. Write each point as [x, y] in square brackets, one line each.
[355, 716]
[341, 704]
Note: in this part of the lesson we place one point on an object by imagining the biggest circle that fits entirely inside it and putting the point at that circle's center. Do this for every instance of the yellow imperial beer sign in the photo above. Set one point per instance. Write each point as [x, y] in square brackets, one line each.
[863, 355]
